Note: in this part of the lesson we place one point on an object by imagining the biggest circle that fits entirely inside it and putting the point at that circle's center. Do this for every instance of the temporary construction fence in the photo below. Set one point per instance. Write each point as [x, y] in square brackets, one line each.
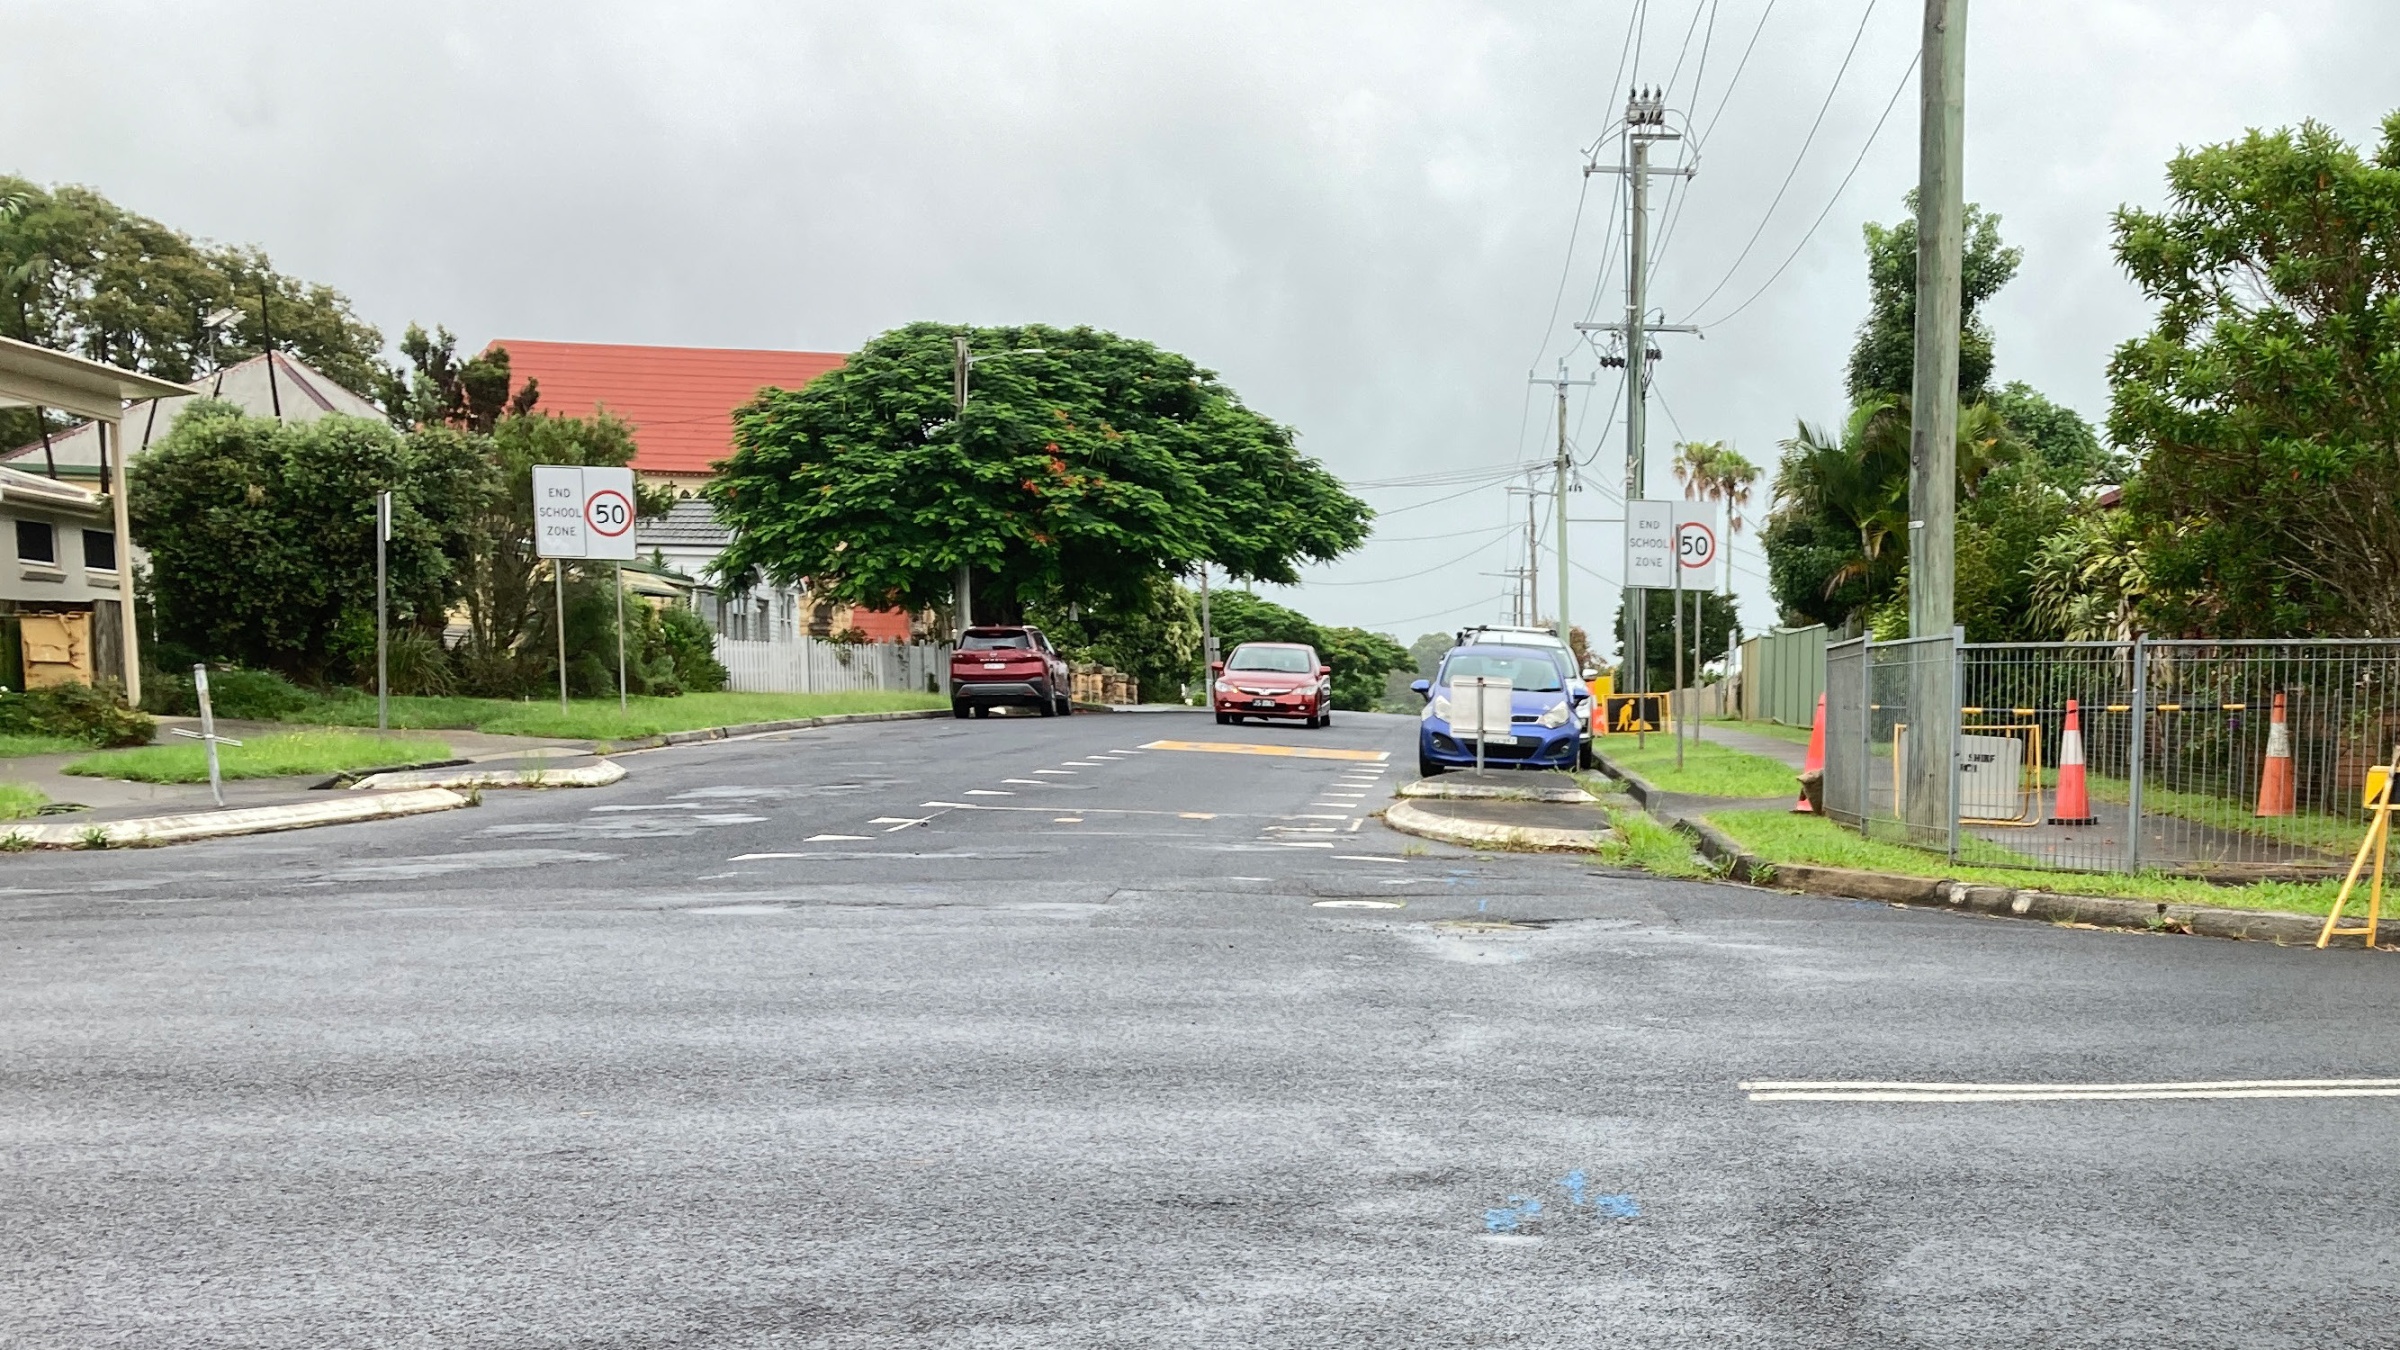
[814, 666]
[2236, 757]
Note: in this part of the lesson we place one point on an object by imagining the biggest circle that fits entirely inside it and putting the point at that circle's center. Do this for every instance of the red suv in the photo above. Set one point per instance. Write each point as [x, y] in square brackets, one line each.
[1008, 666]
[1273, 679]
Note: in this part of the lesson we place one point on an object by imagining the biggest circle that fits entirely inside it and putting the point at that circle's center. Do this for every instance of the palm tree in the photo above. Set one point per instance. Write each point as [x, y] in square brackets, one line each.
[1714, 471]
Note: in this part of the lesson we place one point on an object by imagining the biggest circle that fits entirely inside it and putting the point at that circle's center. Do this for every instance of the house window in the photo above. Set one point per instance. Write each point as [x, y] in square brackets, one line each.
[35, 543]
[100, 550]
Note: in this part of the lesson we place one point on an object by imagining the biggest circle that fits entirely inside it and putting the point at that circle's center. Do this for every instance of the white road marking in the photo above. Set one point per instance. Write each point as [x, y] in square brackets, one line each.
[1068, 773]
[1300, 829]
[1066, 820]
[754, 857]
[1373, 857]
[1356, 823]
[898, 823]
[1301, 843]
[1084, 763]
[988, 792]
[1028, 782]
[812, 839]
[1357, 904]
[1197, 815]
[2237, 1089]
[1336, 816]
[655, 806]
[729, 820]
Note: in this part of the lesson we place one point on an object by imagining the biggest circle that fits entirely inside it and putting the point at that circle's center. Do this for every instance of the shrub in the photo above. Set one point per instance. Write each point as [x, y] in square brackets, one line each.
[687, 644]
[75, 711]
[250, 695]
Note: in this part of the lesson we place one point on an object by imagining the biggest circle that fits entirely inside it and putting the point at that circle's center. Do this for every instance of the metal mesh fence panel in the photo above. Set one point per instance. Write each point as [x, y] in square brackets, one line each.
[1910, 713]
[1846, 732]
[2181, 763]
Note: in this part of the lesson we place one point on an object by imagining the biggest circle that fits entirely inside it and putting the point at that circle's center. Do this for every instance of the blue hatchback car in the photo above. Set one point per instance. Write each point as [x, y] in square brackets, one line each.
[1550, 716]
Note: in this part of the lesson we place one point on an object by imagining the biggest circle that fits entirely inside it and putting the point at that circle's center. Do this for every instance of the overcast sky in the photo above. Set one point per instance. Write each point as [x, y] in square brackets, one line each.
[1358, 213]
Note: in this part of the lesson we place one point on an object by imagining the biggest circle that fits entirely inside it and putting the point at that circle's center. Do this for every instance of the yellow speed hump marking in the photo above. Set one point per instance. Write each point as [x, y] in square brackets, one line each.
[1284, 751]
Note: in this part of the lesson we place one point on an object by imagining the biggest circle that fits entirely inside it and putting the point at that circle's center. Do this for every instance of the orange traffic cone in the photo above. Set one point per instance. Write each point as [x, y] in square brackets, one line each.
[2278, 795]
[1815, 763]
[2074, 800]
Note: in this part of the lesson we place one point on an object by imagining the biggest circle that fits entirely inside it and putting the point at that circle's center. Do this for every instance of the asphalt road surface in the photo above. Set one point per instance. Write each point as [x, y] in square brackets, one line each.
[1037, 1033]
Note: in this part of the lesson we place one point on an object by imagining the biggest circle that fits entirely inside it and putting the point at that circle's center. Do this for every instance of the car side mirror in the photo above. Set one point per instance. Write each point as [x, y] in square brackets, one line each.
[1590, 675]
[1324, 670]
[1216, 667]
[1423, 688]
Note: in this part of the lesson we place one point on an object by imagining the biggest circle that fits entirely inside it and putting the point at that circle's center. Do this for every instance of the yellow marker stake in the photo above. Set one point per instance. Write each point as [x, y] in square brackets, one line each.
[2378, 841]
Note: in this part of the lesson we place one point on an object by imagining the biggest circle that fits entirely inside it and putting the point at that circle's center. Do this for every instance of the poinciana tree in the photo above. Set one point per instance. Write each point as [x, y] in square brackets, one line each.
[1085, 464]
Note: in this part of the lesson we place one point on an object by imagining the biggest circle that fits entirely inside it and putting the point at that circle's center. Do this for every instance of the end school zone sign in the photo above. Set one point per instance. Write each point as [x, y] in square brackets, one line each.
[583, 512]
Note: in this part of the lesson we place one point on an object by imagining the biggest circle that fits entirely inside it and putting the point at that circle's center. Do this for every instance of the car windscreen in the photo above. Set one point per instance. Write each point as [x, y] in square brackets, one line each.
[1287, 660]
[992, 642]
[1532, 671]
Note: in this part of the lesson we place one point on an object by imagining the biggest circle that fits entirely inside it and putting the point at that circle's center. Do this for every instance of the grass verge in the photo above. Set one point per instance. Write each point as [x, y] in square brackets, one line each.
[1777, 836]
[599, 719]
[1708, 770]
[18, 747]
[20, 800]
[294, 752]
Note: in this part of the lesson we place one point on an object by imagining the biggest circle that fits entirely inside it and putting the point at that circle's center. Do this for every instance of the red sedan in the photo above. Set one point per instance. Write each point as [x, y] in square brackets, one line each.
[1273, 679]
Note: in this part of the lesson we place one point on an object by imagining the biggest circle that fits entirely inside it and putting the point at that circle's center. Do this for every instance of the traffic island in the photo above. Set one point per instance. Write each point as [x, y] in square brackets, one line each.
[1504, 822]
[1554, 788]
[146, 831]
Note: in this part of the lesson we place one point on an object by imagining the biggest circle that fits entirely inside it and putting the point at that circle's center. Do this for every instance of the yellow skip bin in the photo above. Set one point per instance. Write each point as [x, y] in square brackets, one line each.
[1286, 751]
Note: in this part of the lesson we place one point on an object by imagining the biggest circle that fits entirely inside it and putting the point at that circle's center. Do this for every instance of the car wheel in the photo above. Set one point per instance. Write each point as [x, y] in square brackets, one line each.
[1049, 704]
[1325, 718]
[982, 711]
[1426, 768]
[958, 709]
[1066, 705]
[1224, 719]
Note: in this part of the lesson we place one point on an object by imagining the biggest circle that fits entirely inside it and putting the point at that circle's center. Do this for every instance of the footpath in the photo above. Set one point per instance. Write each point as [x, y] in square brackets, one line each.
[116, 813]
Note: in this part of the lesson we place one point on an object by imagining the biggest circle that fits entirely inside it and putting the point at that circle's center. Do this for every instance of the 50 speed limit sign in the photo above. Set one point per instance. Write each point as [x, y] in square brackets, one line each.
[583, 512]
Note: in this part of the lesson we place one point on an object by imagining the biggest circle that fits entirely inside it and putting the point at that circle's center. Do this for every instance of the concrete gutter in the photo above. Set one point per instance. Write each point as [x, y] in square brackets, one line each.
[179, 829]
[1409, 818]
[2000, 902]
[600, 774]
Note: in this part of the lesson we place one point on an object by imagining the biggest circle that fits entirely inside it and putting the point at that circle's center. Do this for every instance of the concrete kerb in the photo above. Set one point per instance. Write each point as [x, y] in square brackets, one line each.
[1409, 818]
[762, 728]
[2001, 902]
[599, 774]
[178, 829]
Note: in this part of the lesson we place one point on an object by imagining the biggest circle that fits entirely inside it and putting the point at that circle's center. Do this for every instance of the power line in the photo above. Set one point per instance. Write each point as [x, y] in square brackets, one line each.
[1797, 160]
[1492, 599]
[1432, 538]
[1385, 581]
[1738, 68]
[1419, 506]
[1890, 104]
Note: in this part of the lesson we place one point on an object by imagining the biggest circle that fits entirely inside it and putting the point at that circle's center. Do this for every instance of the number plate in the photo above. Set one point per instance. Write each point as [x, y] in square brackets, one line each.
[995, 665]
[1262, 703]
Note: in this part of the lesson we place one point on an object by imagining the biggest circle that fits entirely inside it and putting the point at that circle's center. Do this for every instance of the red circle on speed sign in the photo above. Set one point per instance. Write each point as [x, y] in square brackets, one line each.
[608, 513]
[1696, 545]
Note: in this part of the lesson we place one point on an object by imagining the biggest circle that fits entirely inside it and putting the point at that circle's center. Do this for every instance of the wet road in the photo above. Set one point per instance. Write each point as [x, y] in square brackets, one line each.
[1041, 1033]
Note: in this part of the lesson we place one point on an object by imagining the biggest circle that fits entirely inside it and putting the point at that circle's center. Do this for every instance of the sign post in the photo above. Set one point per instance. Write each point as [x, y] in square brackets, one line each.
[584, 512]
[383, 669]
[1649, 565]
[1695, 570]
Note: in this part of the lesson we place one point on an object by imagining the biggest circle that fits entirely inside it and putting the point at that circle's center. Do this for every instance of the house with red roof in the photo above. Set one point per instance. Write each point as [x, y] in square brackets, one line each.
[680, 403]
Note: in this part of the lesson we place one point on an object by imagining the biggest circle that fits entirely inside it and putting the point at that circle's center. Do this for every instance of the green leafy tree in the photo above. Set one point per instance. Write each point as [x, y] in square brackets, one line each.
[1720, 618]
[1153, 635]
[262, 540]
[80, 273]
[2264, 404]
[1085, 465]
[1884, 360]
[2069, 453]
[1360, 659]
[436, 388]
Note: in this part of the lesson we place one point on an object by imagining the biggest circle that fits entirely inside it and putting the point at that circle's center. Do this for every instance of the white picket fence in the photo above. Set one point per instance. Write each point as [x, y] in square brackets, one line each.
[811, 666]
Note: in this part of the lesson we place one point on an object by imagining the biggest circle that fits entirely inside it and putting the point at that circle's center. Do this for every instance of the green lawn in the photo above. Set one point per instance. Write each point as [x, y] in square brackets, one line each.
[294, 752]
[598, 719]
[1709, 770]
[19, 800]
[18, 747]
[1778, 836]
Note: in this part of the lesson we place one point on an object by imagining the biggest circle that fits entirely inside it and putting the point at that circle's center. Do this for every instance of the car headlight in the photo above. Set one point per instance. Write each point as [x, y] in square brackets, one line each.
[1225, 687]
[1438, 709]
[1556, 715]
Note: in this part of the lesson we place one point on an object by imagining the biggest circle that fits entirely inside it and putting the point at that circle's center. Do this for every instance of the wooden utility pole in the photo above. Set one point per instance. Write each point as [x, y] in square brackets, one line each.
[1933, 406]
[1931, 772]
